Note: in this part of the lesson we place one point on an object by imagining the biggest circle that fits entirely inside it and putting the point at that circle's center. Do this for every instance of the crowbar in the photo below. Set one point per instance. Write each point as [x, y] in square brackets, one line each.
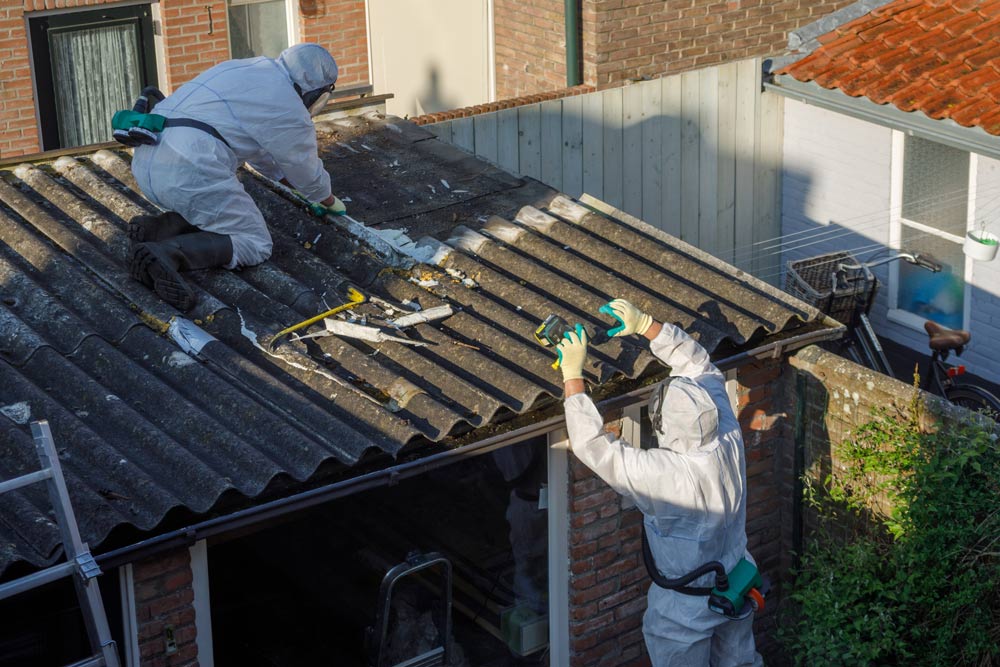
[354, 298]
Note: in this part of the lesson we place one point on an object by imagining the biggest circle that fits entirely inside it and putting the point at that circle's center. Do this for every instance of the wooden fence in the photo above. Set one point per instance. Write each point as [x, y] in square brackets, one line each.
[697, 155]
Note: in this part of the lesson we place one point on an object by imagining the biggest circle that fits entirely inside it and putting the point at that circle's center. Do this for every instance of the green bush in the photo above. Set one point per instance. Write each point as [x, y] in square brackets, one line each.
[906, 569]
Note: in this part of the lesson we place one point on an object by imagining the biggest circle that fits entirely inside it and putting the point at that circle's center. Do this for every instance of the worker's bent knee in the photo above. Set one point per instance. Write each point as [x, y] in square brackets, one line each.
[249, 251]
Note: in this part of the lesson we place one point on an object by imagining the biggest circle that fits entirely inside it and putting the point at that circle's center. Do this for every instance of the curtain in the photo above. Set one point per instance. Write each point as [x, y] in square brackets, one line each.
[95, 72]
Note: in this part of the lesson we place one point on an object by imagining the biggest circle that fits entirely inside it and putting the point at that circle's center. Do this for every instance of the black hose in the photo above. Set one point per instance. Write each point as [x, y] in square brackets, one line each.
[680, 584]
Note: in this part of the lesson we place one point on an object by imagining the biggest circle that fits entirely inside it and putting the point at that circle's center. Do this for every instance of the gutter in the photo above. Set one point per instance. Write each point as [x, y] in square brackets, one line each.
[187, 536]
[916, 123]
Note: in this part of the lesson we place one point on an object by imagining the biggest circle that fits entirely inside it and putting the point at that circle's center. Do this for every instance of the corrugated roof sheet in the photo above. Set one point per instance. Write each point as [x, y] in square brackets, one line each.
[148, 428]
[941, 57]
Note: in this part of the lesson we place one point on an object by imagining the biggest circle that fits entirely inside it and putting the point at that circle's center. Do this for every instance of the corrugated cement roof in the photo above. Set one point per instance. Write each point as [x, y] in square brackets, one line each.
[159, 416]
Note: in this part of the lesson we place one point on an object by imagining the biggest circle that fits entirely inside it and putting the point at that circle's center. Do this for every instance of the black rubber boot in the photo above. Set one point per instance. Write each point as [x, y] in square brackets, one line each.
[143, 228]
[158, 264]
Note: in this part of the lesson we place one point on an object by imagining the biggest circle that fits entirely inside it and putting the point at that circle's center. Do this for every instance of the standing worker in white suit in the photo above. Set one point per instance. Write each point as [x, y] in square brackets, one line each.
[691, 489]
[258, 111]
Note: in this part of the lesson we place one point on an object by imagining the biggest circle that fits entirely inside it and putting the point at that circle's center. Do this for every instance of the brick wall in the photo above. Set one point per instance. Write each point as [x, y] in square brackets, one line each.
[195, 37]
[630, 39]
[340, 26]
[608, 581]
[530, 43]
[164, 597]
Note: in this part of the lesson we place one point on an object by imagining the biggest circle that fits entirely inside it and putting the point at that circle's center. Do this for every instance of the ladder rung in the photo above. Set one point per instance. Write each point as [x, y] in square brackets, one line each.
[25, 480]
[36, 579]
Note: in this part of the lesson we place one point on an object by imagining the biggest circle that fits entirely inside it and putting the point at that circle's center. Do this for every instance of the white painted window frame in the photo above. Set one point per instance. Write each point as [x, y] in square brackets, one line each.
[291, 20]
[896, 222]
[130, 622]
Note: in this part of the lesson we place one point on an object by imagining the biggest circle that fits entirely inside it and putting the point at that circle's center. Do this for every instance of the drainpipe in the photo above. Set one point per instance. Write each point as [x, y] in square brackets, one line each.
[572, 12]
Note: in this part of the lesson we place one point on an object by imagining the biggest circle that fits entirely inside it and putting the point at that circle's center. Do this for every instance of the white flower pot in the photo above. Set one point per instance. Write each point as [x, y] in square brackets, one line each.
[981, 245]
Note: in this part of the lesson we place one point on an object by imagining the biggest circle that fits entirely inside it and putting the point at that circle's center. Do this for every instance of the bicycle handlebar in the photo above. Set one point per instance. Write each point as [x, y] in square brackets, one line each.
[925, 260]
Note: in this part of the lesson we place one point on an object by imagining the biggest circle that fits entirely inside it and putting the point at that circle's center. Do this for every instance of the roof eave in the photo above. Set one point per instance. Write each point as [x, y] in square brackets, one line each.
[917, 123]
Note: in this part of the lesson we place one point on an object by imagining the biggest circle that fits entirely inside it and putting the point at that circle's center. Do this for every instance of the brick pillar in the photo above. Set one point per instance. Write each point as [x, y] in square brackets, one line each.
[340, 26]
[763, 407]
[195, 37]
[608, 582]
[164, 599]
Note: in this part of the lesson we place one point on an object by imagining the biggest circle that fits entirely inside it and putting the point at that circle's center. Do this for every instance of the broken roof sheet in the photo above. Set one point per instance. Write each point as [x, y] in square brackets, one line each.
[159, 415]
[941, 57]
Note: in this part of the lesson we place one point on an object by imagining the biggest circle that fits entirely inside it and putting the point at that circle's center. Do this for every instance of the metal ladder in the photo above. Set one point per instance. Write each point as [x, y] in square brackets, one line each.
[79, 563]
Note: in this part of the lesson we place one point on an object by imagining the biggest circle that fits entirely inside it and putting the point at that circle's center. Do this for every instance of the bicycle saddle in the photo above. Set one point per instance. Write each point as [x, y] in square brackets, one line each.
[943, 339]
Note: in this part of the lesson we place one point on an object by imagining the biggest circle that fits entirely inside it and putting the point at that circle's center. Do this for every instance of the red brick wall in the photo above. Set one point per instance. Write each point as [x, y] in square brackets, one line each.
[194, 39]
[164, 597]
[608, 581]
[530, 43]
[631, 39]
[340, 26]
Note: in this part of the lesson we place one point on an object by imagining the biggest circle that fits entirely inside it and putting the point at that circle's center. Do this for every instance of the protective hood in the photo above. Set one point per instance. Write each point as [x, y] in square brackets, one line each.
[309, 66]
[689, 421]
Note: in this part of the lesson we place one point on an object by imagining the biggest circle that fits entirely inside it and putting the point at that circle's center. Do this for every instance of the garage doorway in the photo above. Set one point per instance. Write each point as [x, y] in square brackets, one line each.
[307, 592]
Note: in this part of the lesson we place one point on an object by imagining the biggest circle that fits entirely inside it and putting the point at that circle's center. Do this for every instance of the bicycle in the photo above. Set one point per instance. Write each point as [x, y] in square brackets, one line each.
[845, 289]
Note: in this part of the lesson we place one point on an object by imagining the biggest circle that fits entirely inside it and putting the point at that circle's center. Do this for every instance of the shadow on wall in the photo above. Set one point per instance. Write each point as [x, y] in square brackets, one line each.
[431, 97]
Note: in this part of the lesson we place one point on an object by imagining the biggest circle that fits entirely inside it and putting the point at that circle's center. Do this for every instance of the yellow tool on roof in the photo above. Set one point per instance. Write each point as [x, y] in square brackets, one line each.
[354, 298]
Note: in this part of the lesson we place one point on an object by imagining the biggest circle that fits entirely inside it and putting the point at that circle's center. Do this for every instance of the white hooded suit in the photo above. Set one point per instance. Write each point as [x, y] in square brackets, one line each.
[692, 493]
[254, 105]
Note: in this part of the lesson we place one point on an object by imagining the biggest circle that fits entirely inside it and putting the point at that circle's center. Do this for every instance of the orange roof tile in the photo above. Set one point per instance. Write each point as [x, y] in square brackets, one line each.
[941, 57]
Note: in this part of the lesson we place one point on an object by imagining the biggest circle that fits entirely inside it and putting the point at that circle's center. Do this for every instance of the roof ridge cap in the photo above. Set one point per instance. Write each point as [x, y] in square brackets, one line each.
[804, 40]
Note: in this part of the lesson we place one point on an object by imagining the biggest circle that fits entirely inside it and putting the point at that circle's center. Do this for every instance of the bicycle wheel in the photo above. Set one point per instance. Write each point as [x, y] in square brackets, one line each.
[975, 398]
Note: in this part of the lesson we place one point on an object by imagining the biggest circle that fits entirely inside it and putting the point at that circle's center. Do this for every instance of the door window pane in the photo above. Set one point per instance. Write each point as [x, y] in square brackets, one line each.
[95, 72]
[935, 185]
[258, 28]
[933, 296]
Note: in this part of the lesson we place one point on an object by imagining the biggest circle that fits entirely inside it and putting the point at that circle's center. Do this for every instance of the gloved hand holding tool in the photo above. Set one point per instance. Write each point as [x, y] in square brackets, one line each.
[572, 352]
[354, 298]
[632, 320]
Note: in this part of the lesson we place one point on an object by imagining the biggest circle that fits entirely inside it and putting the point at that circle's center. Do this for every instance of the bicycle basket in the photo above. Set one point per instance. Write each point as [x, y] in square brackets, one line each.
[812, 280]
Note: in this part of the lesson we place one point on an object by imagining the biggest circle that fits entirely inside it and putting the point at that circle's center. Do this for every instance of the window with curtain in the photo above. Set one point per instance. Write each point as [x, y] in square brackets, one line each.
[258, 28]
[87, 65]
[934, 214]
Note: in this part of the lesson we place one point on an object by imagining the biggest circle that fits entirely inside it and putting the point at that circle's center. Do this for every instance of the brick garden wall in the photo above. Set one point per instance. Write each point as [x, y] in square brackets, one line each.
[164, 597]
[608, 581]
[530, 42]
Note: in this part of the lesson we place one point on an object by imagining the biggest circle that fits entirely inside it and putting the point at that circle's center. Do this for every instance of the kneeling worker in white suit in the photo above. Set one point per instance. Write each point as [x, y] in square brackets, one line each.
[256, 111]
[691, 489]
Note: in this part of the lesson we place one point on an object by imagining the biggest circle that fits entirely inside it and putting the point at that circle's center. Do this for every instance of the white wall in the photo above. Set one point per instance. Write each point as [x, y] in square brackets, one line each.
[835, 196]
[432, 55]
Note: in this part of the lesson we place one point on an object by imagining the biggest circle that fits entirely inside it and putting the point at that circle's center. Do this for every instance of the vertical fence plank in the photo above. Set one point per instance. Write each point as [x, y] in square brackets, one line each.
[529, 123]
[593, 145]
[747, 95]
[652, 153]
[552, 144]
[572, 133]
[632, 180]
[690, 155]
[441, 130]
[485, 133]
[613, 146]
[462, 135]
[670, 97]
[507, 140]
[767, 190]
[708, 159]
[725, 220]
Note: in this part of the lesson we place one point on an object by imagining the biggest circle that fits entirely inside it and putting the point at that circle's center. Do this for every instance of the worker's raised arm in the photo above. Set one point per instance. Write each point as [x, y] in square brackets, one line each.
[671, 344]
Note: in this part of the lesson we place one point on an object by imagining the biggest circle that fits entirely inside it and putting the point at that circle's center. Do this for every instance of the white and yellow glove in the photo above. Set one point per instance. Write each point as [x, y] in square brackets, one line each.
[633, 320]
[334, 207]
[572, 351]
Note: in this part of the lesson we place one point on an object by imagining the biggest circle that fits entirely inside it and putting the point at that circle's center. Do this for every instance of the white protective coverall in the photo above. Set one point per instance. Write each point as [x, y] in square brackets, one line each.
[255, 107]
[692, 493]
